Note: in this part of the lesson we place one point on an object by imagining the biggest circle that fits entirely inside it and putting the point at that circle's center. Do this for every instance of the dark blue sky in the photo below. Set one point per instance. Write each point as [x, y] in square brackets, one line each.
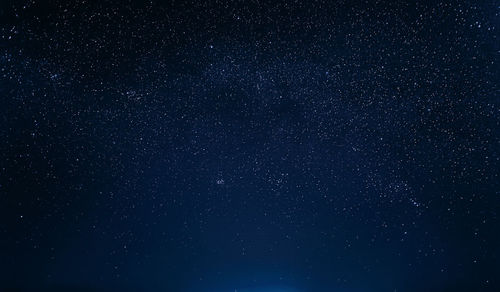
[251, 146]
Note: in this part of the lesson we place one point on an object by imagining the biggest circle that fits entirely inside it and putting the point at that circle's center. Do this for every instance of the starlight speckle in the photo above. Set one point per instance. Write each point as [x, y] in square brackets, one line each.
[257, 146]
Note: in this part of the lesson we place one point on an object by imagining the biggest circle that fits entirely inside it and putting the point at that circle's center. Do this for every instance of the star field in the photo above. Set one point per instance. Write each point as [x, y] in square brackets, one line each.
[271, 146]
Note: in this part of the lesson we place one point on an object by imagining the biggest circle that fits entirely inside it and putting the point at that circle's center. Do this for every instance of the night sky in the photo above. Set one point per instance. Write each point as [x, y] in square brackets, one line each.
[249, 146]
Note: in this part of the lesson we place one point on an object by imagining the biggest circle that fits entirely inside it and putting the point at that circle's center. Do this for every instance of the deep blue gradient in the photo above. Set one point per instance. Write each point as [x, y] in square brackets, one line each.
[250, 146]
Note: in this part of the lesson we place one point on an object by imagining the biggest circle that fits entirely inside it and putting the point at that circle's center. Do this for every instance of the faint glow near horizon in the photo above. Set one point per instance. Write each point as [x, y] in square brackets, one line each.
[267, 289]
